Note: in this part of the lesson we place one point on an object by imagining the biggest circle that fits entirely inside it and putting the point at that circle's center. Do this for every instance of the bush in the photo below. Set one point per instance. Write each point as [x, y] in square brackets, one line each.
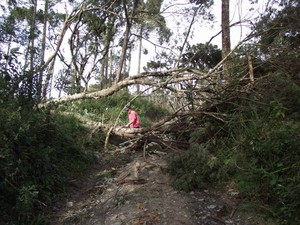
[195, 170]
[257, 151]
[268, 161]
[39, 153]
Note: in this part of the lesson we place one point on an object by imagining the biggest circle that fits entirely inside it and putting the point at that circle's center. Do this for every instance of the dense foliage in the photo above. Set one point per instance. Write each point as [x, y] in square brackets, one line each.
[256, 148]
[40, 153]
[256, 152]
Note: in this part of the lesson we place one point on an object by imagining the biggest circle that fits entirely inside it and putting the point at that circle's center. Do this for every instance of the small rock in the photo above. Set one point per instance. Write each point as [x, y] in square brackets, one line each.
[211, 206]
[70, 204]
[122, 217]
[117, 223]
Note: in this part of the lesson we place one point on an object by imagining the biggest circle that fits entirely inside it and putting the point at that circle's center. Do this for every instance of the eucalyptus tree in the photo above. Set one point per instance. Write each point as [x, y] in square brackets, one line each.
[91, 41]
[128, 17]
[150, 19]
[95, 41]
[43, 47]
[50, 21]
[108, 62]
[225, 36]
[129, 12]
[32, 17]
[32, 43]
[87, 46]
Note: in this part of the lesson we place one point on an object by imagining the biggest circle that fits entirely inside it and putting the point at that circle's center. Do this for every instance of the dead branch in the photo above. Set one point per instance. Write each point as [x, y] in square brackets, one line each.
[147, 78]
[173, 131]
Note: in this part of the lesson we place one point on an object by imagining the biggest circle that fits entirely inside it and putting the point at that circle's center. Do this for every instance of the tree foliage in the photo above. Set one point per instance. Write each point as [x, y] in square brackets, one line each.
[254, 145]
[202, 56]
[279, 36]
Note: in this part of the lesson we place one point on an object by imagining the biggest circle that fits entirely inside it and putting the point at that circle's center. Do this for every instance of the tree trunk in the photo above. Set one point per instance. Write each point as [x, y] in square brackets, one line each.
[43, 48]
[111, 67]
[140, 57]
[124, 49]
[251, 73]
[32, 51]
[126, 38]
[225, 37]
[48, 81]
[74, 47]
[52, 58]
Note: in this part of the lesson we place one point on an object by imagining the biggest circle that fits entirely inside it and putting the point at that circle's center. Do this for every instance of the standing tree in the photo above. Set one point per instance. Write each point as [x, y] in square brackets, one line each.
[201, 56]
[150, 19]
[129, 13]
[225, 37]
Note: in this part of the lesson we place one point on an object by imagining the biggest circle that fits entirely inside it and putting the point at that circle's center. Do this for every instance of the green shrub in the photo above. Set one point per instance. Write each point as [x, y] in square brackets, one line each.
[257, 151]
[197, 169]
[267, 165]
[39, 153]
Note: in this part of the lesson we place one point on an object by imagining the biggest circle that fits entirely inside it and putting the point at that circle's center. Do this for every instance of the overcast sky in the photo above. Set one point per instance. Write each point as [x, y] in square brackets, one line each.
[202, 30]
[240, 10]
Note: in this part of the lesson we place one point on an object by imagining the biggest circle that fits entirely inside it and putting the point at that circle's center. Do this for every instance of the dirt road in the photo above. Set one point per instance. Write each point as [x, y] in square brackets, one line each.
[133, 189]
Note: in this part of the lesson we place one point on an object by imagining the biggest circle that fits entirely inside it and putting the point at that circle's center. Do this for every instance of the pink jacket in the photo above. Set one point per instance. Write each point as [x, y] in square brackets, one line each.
[133, 116]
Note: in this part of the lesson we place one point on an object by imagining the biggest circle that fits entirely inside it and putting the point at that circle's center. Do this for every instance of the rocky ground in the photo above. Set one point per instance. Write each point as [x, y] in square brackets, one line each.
[134, 189]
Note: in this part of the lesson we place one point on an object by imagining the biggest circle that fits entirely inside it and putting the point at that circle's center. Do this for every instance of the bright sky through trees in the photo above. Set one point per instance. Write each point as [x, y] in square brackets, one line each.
[204, 30]
[178, 15]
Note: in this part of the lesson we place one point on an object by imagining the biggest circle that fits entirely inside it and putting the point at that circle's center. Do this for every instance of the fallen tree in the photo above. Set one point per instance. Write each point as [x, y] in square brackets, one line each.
[199, 95]
[156, 80]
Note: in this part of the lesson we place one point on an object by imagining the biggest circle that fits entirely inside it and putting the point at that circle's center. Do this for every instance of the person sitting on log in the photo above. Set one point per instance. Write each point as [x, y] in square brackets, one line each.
[133, 119]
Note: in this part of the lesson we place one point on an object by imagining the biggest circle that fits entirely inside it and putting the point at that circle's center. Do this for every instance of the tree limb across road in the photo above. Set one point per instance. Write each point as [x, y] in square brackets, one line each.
[155, 79]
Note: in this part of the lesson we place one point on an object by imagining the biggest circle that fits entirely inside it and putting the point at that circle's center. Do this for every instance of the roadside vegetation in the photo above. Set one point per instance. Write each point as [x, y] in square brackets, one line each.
[42, 151]
[109, 109]
[233, 115]
[256, 152]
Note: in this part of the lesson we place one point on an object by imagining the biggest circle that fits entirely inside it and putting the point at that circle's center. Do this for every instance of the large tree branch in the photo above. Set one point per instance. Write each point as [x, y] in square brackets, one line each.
[147, 78]
[70, 18]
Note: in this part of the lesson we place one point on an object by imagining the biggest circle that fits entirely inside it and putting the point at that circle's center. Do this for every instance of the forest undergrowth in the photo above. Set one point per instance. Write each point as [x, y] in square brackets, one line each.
[254, 150]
